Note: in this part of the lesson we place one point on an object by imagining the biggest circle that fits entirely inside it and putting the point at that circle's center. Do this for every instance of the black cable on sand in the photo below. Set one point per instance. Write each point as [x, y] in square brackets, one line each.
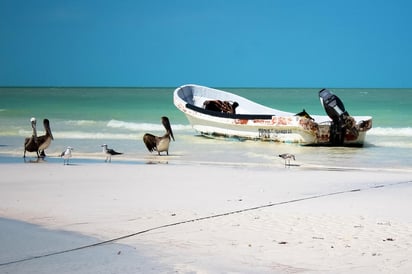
[196, 220]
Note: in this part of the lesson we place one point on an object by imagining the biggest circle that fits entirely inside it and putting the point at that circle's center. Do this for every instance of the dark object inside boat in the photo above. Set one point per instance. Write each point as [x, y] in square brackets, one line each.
[341, 120]
[230, 115]
[221, 106]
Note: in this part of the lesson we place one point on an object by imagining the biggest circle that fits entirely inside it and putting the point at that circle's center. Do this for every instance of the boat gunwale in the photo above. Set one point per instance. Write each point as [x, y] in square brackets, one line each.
[318, 118]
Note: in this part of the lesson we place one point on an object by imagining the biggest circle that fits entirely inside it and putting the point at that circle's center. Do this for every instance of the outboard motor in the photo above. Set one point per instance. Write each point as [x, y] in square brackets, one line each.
[340, 117]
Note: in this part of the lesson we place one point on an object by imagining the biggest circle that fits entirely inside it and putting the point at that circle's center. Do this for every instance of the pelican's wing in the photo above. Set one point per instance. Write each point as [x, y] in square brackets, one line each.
[27, 140]
[166, 124]
[150, 141]
[41, 139]
[31, 144]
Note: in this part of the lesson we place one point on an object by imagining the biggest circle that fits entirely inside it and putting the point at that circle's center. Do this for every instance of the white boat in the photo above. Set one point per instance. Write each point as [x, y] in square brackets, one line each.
[239, 117]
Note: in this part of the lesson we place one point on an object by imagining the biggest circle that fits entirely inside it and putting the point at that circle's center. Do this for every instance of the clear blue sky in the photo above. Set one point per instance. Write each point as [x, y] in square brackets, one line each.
[219, 43]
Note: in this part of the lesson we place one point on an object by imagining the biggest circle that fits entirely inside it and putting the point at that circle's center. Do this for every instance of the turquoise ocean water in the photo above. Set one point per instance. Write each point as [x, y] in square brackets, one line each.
[85, 118]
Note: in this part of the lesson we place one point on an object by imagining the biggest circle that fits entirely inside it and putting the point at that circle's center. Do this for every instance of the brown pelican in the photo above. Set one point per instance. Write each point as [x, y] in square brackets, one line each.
[31, 143]
[66, 155]
[109, 152]
[45, 140]
[159, 144]
[287, 157]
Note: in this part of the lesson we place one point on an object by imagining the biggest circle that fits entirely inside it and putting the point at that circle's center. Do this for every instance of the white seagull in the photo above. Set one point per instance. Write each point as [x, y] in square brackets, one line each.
[66, 155]
[287, 157]
[109, 152]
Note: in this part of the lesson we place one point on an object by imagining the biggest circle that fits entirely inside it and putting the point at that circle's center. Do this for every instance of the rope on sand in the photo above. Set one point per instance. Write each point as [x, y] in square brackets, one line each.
[199, 219]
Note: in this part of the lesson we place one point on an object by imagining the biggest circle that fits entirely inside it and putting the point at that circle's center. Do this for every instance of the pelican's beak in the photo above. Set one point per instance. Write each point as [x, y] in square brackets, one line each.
[171, 134]
[166, 124]
[33, 124]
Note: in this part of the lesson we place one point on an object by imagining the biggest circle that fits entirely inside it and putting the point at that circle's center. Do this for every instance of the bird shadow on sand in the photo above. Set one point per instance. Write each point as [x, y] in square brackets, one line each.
[161, 159]
[157, 162]
[292, 165]
[35, 160]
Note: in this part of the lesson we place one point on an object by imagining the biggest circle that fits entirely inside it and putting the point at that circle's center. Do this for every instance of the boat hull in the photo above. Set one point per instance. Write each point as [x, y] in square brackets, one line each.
[257, 124]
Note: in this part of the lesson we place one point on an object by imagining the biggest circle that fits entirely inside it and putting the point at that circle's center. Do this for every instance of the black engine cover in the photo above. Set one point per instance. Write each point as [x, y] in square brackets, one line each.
[332, 105]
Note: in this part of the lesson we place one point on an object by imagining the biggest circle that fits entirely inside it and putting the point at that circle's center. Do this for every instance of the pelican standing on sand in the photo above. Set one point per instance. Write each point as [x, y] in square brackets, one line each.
[287, 157]
[45, 140]
[109, 152]
[157, 143]
[31, 143]
[66, 155]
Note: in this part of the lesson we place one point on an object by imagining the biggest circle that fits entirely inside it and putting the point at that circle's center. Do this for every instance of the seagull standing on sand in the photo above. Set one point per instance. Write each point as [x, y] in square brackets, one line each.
[157, 143]
[66, 155]
[109, 152]
[287, 157]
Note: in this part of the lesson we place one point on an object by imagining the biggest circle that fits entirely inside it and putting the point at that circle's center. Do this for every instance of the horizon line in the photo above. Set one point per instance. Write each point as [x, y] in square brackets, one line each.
[174, 87]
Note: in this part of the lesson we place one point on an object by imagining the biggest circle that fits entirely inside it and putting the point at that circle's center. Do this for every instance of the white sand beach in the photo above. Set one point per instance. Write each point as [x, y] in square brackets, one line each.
[203, 218]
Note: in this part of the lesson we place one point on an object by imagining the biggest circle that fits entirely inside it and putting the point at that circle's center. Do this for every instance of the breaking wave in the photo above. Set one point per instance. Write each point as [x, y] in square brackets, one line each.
[81, 122]
[143, 126]
[91, 129]
[389, 131]
[390, 137]
[94, 135]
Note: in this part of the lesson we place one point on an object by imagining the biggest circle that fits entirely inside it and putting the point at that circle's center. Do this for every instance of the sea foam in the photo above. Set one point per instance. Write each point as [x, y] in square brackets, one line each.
[389, 131]
[144, 126]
